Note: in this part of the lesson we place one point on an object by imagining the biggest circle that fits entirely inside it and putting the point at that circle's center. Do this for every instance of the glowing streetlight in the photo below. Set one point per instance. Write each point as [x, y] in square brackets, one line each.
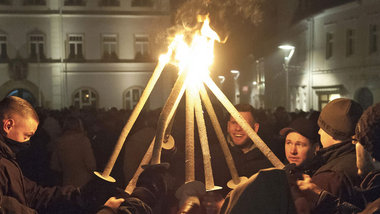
[221, 79]
[236, 74]
[288, 48]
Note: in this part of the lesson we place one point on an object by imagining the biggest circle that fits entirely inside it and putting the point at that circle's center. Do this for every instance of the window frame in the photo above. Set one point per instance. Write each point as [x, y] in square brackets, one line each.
[5, 43]
[327, 91]
[350, 42]
[38, 43]
[92, 101]
[129, 102]
[329, 95]
[140, 52]
[373, 38]
[107, 54]
[76, 55]
[329, 45]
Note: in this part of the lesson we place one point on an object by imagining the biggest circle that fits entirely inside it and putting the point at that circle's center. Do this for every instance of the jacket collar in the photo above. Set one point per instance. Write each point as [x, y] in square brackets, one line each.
[5, 151]
[232, 145]
[336, 150]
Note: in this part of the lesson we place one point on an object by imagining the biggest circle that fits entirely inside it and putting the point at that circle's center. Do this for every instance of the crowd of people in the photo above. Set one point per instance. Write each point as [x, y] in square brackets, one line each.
[48, 159]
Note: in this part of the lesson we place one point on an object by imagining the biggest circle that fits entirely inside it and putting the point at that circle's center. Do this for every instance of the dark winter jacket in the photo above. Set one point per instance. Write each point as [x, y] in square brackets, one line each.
[249, 163]
[368, 192]
[267, 191]
[21, 195]
[246, 164]
[338, 173]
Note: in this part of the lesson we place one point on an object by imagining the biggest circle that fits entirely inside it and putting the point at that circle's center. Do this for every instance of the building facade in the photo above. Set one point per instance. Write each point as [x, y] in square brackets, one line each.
[336, 54]
[345, 58]
[81, 53]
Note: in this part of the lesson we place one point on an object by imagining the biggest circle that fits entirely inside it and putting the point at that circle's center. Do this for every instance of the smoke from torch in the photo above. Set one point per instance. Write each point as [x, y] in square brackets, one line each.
[222, 13]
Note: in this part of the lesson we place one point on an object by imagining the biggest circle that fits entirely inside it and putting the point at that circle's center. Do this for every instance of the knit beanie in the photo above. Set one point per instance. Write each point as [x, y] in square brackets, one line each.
[339, 117]
[368, 130]
[303, 126]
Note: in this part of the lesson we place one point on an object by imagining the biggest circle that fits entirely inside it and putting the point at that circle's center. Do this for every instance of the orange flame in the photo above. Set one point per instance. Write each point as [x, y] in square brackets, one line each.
[198, 56]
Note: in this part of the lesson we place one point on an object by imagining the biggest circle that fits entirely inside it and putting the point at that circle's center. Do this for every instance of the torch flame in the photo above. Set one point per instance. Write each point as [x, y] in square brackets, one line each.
[197, 56]
[207, 31]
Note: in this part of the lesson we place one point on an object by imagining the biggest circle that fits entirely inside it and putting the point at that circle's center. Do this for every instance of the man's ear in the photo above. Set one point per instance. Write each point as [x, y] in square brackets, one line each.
[8, 125]
[256, 127]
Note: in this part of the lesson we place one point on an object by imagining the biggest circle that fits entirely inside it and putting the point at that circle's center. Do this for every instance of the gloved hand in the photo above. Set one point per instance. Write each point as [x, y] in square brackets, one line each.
[293, 173]
[96, 192]
[155, 178]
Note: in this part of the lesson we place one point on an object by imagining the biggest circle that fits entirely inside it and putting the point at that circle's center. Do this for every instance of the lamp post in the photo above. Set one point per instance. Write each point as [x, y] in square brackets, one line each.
[236, 75]
[290, 49]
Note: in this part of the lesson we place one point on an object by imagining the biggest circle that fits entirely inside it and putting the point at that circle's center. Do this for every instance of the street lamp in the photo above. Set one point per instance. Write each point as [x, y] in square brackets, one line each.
[221, 79]
[236, 74]
[287, 58]
[289, 48]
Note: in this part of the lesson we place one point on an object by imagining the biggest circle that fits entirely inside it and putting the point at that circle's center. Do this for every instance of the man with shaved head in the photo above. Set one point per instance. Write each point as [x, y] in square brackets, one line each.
[19, 121]
[18, 194]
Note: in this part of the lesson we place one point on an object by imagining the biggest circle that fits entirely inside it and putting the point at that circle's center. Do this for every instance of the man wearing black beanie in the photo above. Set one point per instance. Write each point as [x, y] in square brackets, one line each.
[367, 142]
[337, 173]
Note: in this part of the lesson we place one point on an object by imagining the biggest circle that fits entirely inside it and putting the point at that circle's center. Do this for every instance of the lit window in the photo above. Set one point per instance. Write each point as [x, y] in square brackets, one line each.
[142, 47]
[34, 2]
[3, 47]
[76, 46]
[109, 3]
[329, 45]
[373, 38]
[75, 3]
[333, 96]
[109, 46]
[350, 34]
[132, 97]
[37, 44]
[326, 98]
[142, 3]
[85, 98]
